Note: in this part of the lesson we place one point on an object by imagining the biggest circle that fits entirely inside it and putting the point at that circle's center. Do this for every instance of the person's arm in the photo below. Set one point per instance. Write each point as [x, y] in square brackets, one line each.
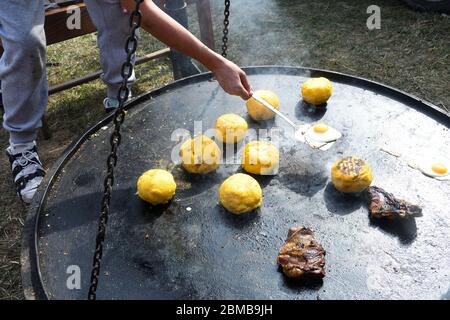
[155, 21]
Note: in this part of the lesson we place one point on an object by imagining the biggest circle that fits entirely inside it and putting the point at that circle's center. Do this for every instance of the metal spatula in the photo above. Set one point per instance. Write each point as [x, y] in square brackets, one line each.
[268, 106]
[299, 134]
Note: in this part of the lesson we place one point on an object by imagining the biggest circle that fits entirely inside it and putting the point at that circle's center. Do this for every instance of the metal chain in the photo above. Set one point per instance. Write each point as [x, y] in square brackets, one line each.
[226, 23]
[119, 117]
[115, 138]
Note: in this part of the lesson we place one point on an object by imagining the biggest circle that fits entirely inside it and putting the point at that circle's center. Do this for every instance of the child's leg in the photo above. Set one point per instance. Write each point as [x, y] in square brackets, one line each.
[22, 67]
[113, 30]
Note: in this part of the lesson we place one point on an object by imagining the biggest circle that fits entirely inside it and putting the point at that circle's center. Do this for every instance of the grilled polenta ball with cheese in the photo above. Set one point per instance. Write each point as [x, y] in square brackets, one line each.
[317, 91]
[240, 193]
[231, 128]
[200, 155]
[260, 157]
[257, 110]
[351, 175]
[156, 186]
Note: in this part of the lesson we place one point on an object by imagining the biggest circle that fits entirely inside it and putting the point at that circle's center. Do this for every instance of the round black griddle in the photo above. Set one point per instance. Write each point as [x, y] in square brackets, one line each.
[194, 249]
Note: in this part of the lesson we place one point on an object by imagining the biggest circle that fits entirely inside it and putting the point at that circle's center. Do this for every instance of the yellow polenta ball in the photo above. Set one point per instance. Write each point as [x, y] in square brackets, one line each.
[200, 155]
[260, 157]
[258, 111]
[240, 193]
[351, 174]
[317, 91]
[231, 128]
[156, 186]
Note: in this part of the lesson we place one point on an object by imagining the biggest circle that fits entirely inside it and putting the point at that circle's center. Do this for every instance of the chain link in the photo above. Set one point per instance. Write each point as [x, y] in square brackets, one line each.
[226, 23]
[115, 139]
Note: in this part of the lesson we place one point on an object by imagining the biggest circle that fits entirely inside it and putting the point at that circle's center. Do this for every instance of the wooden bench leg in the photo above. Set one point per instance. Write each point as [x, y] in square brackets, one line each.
[205, 22]
[45, 132]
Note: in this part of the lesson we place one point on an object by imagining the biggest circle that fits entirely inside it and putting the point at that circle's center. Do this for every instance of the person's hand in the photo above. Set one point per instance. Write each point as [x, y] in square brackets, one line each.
[233, 79]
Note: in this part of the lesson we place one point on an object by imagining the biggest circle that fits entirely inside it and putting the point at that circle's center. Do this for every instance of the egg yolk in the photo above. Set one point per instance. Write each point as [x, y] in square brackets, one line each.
[439, 168]
[320, 128]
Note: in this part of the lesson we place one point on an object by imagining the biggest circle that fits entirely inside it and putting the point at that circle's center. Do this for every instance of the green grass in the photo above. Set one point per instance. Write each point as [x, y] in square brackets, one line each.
[410, 52]
[76, 108]
[69, 113]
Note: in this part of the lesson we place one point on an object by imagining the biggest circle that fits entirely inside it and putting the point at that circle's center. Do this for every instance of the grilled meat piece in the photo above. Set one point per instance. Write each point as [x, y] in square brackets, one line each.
[383, 204]
[302, 255]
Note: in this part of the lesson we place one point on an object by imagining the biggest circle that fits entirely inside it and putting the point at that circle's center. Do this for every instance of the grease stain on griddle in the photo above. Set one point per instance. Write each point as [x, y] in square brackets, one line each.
[84, 178]
[340, 203]
[404, 229]
[305, 111]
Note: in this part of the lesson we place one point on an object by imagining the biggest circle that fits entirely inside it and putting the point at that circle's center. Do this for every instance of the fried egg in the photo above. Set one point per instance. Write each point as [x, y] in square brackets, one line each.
[322, 133]
[317, 136]
[435, 168]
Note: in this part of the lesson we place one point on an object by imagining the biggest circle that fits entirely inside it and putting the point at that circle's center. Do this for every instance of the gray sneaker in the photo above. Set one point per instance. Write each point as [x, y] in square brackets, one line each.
[111, 104]
[27, 170]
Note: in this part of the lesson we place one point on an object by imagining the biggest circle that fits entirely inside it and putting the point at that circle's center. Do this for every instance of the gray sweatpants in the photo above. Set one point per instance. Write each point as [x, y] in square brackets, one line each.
[22, 66]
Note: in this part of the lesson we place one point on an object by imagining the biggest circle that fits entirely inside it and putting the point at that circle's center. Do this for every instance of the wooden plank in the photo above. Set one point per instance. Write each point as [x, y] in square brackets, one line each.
[56, 19]
[93, 76]
[56, 24]
[56, 29]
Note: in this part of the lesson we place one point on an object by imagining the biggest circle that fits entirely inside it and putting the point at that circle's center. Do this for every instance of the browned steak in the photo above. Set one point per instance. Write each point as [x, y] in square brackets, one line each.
[383, 204]
[302, 255]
